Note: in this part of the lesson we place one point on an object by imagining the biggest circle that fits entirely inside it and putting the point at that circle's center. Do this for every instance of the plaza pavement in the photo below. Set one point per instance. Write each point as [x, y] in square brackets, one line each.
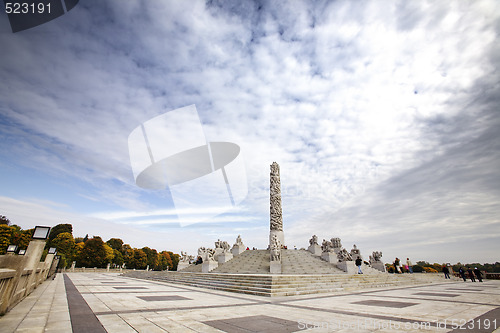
[107, 302]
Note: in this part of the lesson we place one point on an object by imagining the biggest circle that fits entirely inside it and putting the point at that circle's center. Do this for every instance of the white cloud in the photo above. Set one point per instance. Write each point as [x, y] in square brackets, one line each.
[343, 95]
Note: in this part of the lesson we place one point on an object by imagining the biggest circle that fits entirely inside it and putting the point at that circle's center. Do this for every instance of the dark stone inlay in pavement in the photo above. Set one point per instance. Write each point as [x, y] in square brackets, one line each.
[115, 282]
[388, 304]
[254, 324]
[464, 289]
[478, 324]
[130, 287]
[162, 298]
[436, 294]
[82, 317]
[363, 315]
[177, 308]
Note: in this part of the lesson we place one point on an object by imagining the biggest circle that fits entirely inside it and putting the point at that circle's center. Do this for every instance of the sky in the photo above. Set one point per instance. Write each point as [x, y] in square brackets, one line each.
[383, 117]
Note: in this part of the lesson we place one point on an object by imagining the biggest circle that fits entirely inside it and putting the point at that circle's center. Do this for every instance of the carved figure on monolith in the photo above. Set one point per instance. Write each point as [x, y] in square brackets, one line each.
[275, 217]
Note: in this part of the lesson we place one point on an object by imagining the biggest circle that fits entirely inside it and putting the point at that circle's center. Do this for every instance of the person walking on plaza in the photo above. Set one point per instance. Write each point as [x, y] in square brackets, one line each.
[478, 274]
[409, 264]
[396, 265]
[446, 272]
[358, 263]
[461, 271]
[471, 274]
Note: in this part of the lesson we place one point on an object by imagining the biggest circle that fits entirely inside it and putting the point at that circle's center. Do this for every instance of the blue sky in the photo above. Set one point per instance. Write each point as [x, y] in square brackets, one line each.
[383, 116]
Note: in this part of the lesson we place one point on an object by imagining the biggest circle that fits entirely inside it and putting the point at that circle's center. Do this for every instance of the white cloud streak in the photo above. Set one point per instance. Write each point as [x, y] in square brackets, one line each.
[346, 96]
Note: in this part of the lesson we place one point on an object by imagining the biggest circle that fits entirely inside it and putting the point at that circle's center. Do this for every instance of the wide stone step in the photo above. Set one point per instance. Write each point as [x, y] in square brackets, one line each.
[283, 285]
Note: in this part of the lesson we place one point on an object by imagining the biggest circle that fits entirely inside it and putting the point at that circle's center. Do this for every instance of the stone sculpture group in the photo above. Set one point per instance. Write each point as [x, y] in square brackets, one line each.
[330, 251]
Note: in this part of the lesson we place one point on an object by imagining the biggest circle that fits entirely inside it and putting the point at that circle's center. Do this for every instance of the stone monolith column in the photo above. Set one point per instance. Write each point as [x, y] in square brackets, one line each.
[276, 217]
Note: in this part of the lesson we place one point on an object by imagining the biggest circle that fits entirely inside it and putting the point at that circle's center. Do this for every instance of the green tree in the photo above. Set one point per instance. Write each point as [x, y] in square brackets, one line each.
[4, 220]
[93, 253]
[140, 259]
[118, 258]
[6, 233]
[22, 238]
[165, 262]
[128, 255]
[115, 243]
[109, 253]
[175, 259]
[65, 245]
[152, 257]
[58, 229]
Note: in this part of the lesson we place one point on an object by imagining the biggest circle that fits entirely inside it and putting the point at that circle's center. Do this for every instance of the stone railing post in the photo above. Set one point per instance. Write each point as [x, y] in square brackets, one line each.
[33, 255]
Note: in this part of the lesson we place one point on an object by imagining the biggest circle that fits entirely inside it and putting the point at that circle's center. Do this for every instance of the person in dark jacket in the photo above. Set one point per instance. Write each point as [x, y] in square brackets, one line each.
[359, 262]
[396, 265]
[471, 274]
[446, 272]
[478, 274]
[461, 271]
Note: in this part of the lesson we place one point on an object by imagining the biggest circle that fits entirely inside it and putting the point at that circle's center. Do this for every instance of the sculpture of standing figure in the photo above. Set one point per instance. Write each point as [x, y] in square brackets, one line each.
[275, 249]
[313, 240]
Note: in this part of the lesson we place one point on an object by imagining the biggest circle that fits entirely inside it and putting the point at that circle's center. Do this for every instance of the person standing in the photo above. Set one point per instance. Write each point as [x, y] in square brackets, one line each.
[461, 271]
[409, 264]
[471, 274]
[358, 263]
[478, 274]
[446, 272]
[396, 265]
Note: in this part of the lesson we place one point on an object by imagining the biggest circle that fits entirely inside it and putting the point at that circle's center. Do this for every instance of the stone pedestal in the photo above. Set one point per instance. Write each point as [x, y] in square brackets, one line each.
[107, 267]
[348, 266]
[275, 267]
[224, 257]
[33, 254]
[237, 249]
[181, 265]
[208, 266]
[378, 265]
[218, 251]
[279, 234]
[330, 257]
[315, 249]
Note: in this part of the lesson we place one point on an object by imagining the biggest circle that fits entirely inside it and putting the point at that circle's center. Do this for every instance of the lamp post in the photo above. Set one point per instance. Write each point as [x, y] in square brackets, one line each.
[34, 253]
[41, 232]
[11, 249]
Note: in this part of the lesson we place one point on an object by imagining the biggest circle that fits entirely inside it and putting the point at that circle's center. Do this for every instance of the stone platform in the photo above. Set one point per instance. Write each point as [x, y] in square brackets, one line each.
[283, 285]
[300, 262]
[112, 303]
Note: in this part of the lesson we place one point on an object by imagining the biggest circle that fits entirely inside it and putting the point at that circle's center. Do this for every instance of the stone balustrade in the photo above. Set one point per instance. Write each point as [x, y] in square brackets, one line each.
[21, 274]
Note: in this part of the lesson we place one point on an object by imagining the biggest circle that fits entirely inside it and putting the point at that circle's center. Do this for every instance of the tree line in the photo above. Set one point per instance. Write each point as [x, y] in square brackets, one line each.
[88, 252]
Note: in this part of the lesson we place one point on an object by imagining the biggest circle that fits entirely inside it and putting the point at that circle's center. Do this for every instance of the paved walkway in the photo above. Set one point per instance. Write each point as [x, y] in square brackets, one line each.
[97, 302]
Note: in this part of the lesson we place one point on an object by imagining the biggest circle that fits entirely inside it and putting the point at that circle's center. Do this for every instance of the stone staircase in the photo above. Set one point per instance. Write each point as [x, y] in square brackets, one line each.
[293, 262]
[303, 262]
[286, 285]
[247, 262]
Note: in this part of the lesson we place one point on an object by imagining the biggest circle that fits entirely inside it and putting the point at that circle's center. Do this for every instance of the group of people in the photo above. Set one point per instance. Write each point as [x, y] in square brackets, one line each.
[472, 274]
[399, 268]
